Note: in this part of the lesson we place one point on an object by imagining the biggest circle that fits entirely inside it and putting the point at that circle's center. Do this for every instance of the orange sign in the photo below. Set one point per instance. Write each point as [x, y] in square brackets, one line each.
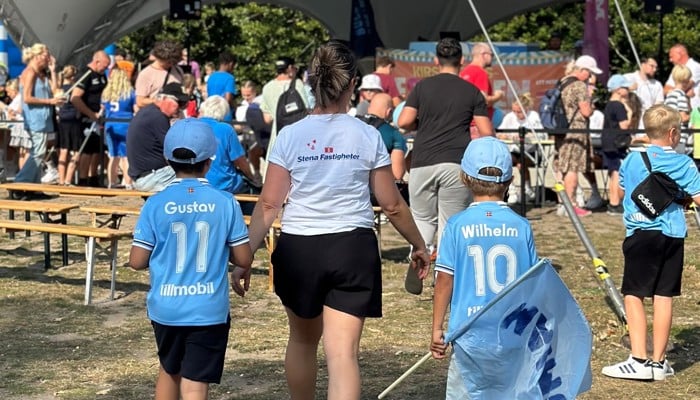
[533, 77]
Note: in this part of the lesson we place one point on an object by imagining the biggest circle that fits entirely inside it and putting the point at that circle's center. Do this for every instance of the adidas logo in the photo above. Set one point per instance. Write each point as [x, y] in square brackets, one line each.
[647, 203]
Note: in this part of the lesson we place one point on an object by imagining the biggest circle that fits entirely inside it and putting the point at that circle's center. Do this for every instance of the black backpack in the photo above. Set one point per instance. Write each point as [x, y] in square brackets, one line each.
[290, 107]
[552, 113]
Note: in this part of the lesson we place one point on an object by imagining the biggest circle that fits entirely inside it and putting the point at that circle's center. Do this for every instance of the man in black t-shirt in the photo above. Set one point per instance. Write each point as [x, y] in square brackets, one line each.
[87, 99]
[441, 108]
[144, 139]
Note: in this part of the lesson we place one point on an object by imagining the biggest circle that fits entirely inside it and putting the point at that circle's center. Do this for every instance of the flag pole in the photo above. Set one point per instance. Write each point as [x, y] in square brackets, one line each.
[405, 375]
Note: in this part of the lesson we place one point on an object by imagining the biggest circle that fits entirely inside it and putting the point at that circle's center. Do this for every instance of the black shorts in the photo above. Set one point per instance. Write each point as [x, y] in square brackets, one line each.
[653, 264]
[338, 270]
[70, 135]
[612, 160]
[195, 352]
[93, 142]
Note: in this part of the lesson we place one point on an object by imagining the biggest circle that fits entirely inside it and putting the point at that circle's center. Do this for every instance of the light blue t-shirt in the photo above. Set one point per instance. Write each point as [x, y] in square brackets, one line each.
[485, 248]
[189, 228]
[329, 158]
[223, 174]
[679, 168]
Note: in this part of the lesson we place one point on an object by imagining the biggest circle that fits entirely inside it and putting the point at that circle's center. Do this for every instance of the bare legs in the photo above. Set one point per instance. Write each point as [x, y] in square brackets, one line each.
[170, 387]
[637, 324]
[341, 341]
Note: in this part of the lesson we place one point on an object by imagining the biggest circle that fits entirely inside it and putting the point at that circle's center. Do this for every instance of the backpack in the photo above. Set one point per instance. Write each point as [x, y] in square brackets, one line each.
[552, 113]
[290, 107]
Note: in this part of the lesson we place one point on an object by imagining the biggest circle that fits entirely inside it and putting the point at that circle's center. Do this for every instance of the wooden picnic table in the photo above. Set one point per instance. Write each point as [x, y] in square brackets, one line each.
[45, 209]
[114, 214]
[72, 190]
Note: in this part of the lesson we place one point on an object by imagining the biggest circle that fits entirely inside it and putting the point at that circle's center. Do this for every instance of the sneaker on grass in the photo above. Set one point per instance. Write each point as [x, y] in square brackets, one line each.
[661, 371]
[630, 369]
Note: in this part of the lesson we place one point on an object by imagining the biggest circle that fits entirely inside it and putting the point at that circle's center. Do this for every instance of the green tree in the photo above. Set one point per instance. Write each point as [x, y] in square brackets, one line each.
[256, 34]
[537, 26]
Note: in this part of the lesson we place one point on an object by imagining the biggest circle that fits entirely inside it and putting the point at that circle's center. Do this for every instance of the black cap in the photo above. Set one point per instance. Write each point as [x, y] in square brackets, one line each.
[283, 63]
[175, 89]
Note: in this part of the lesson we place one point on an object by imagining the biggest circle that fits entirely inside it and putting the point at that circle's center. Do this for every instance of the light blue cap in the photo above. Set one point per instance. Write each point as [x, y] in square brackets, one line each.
[618, 81]
[191, 134]
[487, 152]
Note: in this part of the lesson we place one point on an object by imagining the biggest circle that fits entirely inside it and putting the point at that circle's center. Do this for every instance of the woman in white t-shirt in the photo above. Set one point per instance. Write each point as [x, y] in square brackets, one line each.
[327, 264]
[514, 120]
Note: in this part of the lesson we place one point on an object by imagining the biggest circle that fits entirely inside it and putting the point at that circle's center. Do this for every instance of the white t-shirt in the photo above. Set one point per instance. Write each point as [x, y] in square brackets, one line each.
[329, 158]
[650, 91]
[694, 67]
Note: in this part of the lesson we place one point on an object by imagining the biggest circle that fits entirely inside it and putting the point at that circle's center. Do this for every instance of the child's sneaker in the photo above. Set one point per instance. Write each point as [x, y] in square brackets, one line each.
[630, 369]
[661, 371]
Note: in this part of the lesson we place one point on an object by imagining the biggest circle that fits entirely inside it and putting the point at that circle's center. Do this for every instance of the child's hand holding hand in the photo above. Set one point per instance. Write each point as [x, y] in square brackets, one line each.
[240, 274]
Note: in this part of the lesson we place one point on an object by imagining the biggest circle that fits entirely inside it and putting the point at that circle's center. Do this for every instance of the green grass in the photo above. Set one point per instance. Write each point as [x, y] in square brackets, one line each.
[53, 347]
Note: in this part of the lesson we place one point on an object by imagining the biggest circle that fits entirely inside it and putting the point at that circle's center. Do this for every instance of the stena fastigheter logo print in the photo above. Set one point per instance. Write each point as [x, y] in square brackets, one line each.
[328, 154]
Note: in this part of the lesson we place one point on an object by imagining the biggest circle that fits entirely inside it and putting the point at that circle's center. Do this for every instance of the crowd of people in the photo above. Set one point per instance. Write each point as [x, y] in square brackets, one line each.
[181, 132]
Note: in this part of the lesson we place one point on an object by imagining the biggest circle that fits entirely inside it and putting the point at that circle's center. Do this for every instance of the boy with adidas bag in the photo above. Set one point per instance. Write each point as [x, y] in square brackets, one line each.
[653, 247]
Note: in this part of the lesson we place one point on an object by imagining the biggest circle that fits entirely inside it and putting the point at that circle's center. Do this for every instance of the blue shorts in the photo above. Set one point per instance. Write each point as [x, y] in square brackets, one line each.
[116, 143]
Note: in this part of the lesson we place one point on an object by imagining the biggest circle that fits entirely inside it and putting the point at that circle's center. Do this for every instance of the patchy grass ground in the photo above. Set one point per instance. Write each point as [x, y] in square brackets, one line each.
[53, 347]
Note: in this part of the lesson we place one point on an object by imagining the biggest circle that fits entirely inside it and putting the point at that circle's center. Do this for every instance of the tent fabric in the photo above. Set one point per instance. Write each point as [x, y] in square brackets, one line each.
[73, 29]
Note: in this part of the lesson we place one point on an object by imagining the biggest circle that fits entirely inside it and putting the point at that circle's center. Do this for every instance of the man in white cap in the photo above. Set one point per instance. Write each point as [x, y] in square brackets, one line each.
[575, 152]
[371, 84]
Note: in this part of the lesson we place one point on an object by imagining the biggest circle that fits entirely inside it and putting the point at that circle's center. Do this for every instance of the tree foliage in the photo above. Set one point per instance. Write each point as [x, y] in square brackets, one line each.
[256, 34]
[538, 25]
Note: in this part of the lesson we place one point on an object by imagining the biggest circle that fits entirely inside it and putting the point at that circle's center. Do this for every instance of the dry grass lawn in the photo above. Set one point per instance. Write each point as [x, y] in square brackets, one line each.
[53, 347]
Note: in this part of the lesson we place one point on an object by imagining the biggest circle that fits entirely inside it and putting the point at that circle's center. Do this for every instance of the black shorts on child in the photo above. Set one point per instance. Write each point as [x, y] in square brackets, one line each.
[653, 264]
[195, 352]
[338, 270]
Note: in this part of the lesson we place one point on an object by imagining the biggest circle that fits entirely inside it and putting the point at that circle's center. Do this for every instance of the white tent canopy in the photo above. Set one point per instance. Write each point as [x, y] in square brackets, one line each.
[73, 29]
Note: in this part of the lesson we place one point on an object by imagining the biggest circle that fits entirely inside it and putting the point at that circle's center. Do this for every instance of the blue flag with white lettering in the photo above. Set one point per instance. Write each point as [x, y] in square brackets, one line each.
[530, 342]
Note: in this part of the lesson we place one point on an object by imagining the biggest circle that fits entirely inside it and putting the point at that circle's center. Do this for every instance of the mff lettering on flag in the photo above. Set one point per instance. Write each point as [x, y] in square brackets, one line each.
[531, 341]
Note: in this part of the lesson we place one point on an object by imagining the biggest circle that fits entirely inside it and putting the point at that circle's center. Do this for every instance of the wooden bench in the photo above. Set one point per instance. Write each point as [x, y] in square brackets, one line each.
[84, 191]
[91, 233]
[45, 209]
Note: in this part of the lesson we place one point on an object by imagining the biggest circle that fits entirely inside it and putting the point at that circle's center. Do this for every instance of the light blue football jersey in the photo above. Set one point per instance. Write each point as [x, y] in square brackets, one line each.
[485, 247]
[189, 228]
[678, 167]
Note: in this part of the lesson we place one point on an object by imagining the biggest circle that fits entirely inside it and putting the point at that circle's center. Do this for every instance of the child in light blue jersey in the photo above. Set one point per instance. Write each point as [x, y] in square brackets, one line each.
[653, 247]
[186, 235]
[483, 248]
